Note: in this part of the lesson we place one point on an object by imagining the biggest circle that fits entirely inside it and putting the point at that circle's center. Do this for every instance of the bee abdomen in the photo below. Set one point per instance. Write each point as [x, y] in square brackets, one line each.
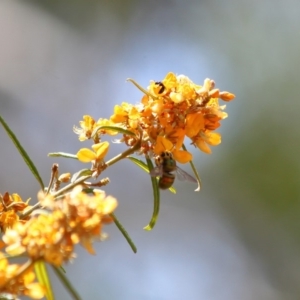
[166, 181]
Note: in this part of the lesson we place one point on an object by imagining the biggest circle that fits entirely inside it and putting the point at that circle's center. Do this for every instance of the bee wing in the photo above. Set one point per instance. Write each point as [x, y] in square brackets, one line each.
[182, 175]
[157, 171]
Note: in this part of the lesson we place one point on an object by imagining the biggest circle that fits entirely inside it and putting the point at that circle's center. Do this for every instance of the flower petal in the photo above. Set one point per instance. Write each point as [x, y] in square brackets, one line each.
[212, 138]
[86, 155]
[101, 149]
[162, 144]
[170, 81]
[203, 146]
[35, 290]
[182, 156]
[226, 96]
[194, 123]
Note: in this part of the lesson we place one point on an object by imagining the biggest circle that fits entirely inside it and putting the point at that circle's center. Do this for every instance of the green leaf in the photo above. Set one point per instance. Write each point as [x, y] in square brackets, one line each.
[139, 163]
[62, 154]
[83, 172]
[43, 278]
[156, 201]
[23, 153]
[65, 281]
[113, 128]
[124, 232]
[144, 167]
[141, 88]
[195, 172]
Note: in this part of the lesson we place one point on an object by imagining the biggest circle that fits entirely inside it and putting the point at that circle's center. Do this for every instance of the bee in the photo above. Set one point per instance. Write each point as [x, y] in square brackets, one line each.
[166, 168]
[161, 87]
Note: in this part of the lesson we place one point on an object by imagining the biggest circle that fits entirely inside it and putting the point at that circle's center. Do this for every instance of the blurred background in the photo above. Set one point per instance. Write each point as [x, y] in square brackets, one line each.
[239, 237]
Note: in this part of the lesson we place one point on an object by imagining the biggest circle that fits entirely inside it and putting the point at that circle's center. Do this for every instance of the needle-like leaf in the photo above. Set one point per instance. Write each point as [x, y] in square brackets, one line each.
[23, 153]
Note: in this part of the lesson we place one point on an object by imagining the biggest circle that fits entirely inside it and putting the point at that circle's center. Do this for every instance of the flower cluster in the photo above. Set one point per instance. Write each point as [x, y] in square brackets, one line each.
[77, 218]
[15, 281]
[10, 208]
[170, 110]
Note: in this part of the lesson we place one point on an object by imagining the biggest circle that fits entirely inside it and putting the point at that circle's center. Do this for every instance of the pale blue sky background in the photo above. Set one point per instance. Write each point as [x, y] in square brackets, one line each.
[236, 239]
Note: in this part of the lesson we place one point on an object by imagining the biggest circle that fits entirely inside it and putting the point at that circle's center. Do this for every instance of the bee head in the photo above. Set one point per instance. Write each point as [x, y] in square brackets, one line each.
[164, 155]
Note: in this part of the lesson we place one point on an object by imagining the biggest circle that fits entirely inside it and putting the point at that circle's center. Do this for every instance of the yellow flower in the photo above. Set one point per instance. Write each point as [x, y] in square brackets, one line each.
[207, 138]
[170, 81]
[120, 114]
[65, 177]
[182, 156]
[105, 122]
[8, 219]
[77, 218]
[194, 123]
[176, 136]
[87, 155]
[126, 114]
[17, 283]
[133, 117]
[163, 144]
[174, 105]
[226, 96]
[176, 97]
[87, 126]
[10, 206]
[187, 91]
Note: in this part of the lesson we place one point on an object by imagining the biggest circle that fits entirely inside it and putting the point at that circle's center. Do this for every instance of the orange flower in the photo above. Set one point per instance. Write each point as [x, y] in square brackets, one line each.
[189, 107]
[207, 138]
[8, 219]
[163, 144]
[120, 113]
[77, 218]
[10, 206]
[17, 283]
[194, 123]
[226, 96]
[175, 104]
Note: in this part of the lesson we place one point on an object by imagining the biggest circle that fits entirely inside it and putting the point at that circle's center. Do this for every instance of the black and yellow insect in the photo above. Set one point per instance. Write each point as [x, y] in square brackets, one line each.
[166, 168]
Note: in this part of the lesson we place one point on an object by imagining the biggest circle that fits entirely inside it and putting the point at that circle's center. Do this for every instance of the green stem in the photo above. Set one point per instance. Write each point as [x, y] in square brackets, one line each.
[124, 154]
[156, 198]
[141, 88]
[66, 283]
[83, 178]
[195, 172]
[55, 195]
[124, 232]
